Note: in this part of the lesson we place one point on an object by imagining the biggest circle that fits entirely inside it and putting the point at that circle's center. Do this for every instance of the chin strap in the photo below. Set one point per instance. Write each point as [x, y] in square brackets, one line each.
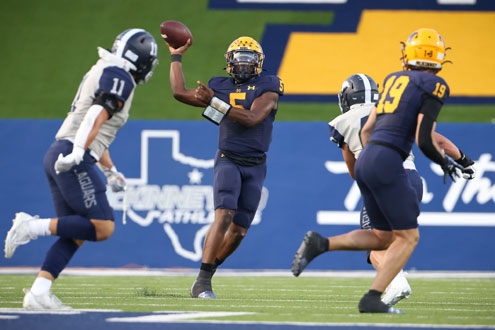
[107, 56]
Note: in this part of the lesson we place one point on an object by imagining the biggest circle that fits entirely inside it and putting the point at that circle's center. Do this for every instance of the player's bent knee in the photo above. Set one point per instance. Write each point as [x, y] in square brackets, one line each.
[104, 229]
[238, 232]
[410, 236]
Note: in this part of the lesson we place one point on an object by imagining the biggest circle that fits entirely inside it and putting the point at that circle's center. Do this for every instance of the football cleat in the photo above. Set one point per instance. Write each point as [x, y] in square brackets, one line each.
[201, 289]
[373, 304]
[312, 245]
[19, 233]
[244, 59]
[397, 290]
[357, 89]
[425, 49]
[46, 301]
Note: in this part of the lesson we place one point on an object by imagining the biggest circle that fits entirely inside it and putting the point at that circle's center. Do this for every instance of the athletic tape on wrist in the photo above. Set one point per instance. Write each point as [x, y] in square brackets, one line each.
[220, 105]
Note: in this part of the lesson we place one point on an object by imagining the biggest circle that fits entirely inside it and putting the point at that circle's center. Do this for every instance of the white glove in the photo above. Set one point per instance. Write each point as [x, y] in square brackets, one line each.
[65, 163]
[469, 172]
[115, 179]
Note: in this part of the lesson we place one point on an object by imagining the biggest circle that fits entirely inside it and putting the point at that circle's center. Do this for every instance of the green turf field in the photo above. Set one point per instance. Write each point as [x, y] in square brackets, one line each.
[272, 299]
[49, 45]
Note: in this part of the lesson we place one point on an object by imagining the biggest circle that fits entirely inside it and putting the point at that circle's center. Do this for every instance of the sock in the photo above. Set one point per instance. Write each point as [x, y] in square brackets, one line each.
[207, 267]
[374, 293]
[76, 227]
[218, 262]
[59, 256]
[205, 274]
[40, 227]
[40, 286]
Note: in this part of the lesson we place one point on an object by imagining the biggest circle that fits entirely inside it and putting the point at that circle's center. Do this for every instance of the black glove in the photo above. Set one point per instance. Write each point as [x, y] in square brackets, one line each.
[468, 172]
[450, 169]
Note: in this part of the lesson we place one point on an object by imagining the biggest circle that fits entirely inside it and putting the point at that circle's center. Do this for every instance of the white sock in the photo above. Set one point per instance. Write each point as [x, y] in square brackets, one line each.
[40, 227]
[41, 285]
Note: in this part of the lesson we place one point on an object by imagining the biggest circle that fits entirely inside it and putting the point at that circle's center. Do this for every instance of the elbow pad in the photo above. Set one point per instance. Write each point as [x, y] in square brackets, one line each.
[109, 102]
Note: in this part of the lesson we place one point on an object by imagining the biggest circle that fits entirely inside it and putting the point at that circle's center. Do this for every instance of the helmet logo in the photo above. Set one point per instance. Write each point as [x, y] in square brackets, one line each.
[131, 55]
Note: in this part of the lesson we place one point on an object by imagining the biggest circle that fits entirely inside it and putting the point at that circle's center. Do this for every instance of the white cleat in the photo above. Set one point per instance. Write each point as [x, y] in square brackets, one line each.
[19, 233]
[46, 301]
[397, 290]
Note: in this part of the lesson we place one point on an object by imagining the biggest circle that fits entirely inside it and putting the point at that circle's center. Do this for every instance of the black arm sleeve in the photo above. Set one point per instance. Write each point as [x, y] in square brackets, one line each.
[430, 108]
[110, 102]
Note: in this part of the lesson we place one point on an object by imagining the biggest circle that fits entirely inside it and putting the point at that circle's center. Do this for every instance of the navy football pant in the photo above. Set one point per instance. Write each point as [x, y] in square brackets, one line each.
[79, 191]
[390, 200]
[415, 181]
[78, 195]
[238, 188]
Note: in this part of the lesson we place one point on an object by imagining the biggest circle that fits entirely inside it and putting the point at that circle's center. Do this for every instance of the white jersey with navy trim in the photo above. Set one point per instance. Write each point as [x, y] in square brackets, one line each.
[346, 128]
[112, 77]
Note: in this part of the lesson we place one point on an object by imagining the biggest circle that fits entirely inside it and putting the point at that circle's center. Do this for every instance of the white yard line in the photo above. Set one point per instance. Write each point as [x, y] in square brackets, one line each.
[233, 273]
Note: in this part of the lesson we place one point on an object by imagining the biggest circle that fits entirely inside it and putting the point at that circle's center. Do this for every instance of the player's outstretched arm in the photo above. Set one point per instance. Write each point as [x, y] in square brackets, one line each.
[427, 144]
[261, 107]
[86, 133]
[460, 158]
[177, 80]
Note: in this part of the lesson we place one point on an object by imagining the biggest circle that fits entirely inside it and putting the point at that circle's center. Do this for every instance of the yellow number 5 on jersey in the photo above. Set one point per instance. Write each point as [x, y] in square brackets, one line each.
[392, 94]
[237, 96]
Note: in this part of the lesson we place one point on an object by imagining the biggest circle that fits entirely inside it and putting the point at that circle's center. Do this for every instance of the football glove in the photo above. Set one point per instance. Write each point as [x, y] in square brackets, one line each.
[450, 169]
[115, 179]
[65, 163]
[468, 172]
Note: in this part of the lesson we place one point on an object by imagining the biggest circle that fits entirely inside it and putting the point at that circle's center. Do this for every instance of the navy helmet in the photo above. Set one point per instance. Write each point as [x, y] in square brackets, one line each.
[357, 89]
[140, 48]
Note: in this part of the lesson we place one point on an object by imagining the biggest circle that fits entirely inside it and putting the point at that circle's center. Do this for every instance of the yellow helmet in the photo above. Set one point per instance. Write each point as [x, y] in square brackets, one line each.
[244, 59]
[425, 49]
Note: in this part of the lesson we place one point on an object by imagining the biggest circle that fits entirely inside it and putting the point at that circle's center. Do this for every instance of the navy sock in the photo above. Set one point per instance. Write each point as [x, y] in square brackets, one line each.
[374, 293]
[59, 256]
[218, 262]
[206, 267]
[76, 227]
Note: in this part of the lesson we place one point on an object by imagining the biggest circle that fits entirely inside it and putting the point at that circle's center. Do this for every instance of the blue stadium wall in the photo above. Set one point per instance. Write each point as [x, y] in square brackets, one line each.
[169, 200]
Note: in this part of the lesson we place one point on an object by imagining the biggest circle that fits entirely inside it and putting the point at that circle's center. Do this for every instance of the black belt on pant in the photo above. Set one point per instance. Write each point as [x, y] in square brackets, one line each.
[391, 146]
[244, 161]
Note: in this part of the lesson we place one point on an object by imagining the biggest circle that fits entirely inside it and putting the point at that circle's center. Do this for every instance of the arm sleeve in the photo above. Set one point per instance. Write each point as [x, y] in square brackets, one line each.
[430, 109]
[86, 126]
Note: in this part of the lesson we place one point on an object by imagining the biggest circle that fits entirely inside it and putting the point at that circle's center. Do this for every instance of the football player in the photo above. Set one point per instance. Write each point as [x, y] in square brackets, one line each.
[407, 110]
[244, 106]
[100, 108]
[357, 97]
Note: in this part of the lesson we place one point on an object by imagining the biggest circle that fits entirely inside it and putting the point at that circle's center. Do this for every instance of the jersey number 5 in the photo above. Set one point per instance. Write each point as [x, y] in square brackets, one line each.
[392, 94]
[237, 96]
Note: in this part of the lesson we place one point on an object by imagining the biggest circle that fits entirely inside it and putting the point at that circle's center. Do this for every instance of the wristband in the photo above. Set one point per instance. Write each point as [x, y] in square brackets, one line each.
[220, 105]
[176, 58]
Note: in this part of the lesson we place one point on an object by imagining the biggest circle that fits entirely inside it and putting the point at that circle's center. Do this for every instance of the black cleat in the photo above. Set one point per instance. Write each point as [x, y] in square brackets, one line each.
[373, 304]
[312, 245]
[201, 288]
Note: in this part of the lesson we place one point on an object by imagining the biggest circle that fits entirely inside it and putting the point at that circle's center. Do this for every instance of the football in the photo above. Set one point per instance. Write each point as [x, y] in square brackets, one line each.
[175, 33]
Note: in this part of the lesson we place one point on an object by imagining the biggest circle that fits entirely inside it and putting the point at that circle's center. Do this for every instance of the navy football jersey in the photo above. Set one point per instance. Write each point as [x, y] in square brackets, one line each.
[234, 137]
[400, 103]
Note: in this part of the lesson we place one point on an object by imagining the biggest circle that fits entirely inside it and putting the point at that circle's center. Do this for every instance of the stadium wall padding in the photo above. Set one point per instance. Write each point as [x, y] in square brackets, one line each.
[169, 199]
